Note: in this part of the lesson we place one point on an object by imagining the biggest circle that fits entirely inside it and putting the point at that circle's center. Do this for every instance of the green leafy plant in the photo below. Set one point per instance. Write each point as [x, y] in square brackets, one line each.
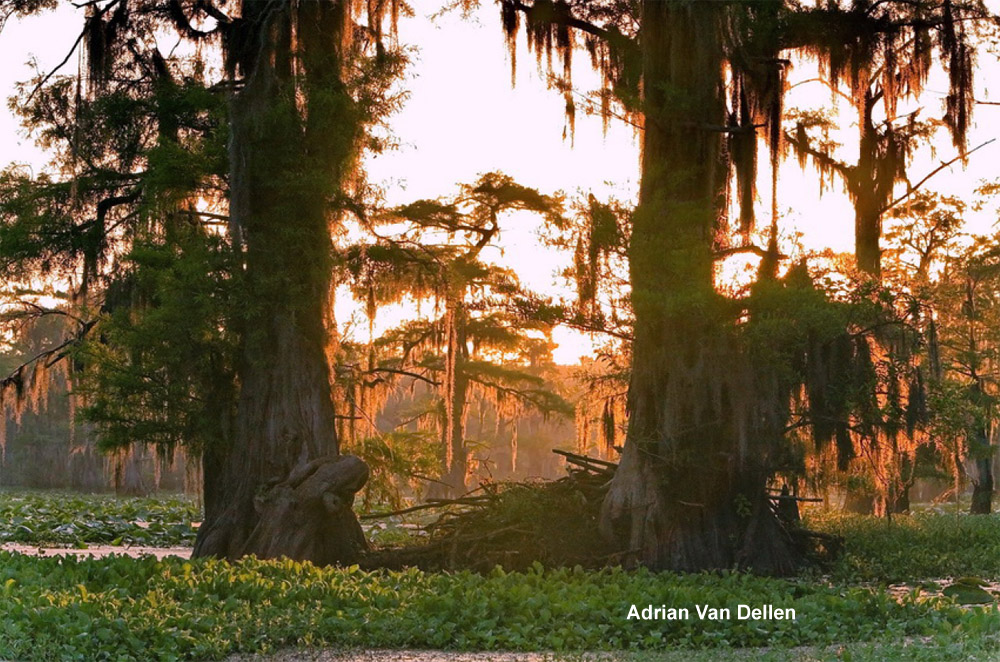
[73, 519]
[140, 609]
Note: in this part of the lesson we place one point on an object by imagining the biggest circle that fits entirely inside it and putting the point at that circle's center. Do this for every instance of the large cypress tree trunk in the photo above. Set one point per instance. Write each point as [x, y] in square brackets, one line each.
[280, 488]
[689, 493]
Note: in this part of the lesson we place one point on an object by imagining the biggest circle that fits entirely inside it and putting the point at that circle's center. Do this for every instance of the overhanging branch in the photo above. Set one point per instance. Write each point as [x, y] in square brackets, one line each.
[913, 189]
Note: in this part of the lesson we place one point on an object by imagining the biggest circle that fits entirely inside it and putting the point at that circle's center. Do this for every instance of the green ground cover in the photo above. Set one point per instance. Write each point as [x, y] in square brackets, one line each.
[122, 608]
[916, 649]
[35, 517]
[913, 547]
[142, 609]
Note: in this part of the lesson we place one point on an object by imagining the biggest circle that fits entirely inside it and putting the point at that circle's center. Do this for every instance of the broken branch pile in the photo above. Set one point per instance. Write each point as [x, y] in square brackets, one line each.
[513, 525]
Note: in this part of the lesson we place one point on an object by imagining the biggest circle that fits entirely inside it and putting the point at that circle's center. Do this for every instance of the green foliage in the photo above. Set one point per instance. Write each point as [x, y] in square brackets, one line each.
[160, 369]
[73, 519]
[395, 459]
[122, 222]
[913, 548]
[128, 609]
[478, 346]
[939, 648]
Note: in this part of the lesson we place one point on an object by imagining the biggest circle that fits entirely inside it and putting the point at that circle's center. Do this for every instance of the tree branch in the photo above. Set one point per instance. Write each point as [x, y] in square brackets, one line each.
[101, 11]
[50, 356]
[913, 189]
[823, 158]
[753, 250]
[407, 373]
[563, 18]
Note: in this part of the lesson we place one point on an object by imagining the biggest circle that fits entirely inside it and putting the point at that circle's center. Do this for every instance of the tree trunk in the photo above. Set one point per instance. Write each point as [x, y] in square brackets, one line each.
[901, 502]
[455, 454]
[85, 466]
[689, 493]
[982, 481]
[457, 471]
[864, 189]
[867, 223]
[982, 491]
[279, 487]
[864, 186]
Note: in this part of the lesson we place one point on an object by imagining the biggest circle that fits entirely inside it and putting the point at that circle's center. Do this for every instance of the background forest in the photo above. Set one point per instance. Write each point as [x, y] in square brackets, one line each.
[781, 339]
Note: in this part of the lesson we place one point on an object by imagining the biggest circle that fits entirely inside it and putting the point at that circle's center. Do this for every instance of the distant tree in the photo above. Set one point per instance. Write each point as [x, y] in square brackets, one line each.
[598, 235]
[967, 306]
[884, 152]
[477, 345]
[40, 447]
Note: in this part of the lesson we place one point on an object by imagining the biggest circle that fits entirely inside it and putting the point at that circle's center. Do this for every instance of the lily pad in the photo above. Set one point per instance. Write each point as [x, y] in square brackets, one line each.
[968, 595]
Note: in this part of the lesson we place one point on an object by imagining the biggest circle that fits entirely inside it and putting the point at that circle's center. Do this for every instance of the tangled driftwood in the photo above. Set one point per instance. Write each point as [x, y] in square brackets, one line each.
[514, 525]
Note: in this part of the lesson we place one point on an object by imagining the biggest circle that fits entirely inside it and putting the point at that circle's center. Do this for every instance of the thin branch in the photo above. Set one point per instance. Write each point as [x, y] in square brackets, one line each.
[57, 352]
[83, 33]
[913, 189]
[407, 373]
[213, 11]
[753, 250]
[822, 158]
[590, 107]
[222, 218]
[590, 328]
[41, 311]
[567, 19]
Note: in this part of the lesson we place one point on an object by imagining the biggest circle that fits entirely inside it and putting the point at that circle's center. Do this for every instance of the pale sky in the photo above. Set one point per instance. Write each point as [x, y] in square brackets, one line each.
[463, 118]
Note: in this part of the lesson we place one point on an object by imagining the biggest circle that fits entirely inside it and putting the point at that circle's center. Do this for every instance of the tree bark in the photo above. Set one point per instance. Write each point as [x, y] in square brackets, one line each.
[982, 483]
[456, 465]
[689, 493]
[456, 470]
[279, 487]
[982, 491]
[865, 184]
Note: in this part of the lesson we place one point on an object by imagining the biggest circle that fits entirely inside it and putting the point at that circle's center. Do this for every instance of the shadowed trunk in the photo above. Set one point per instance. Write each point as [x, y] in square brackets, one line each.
[866, 184]
[982, 491]
[982, 481]
[457, 470]
[689, 493]
[454, 453]
[901, 502]
[980, 451]
[456, 466]
[900, 494]
[280, 488]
